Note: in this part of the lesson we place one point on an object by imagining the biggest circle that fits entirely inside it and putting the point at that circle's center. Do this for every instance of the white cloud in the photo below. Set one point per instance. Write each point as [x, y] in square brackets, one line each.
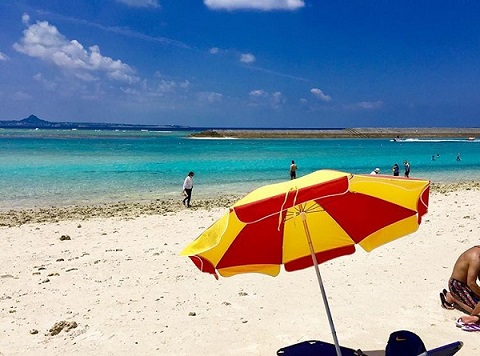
[369, 105]
[277, 99]
[3, 57]
[258, 93]
[210, 97]
[21, 96]
[214, 50]
[166, 86]
[140, 3]
[264, 5]
[130, 91]
[159, 88]
[247, 58]
[25, 19]
[86, 77]
[261, 97]
[43, 41]
[185, 84]
[49, 85]
[320, 95]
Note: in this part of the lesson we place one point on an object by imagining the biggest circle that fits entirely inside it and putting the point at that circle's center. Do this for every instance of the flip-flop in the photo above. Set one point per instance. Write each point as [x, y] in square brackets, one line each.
[459, 323]
[471, 327]
[445, 304]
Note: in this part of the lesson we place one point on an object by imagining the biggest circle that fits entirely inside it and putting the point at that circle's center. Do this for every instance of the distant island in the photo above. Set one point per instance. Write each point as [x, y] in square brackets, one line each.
[33, 122]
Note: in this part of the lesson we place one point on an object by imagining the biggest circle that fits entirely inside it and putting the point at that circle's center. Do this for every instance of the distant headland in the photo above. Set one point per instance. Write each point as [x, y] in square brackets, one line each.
[396, 134]
[33, 122]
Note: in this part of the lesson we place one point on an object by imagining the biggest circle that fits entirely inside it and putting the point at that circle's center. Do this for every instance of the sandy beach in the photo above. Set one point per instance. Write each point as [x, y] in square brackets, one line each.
[109, 280]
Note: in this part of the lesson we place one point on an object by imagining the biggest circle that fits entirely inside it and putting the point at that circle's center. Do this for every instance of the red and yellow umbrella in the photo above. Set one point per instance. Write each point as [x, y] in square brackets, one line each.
[310, 220]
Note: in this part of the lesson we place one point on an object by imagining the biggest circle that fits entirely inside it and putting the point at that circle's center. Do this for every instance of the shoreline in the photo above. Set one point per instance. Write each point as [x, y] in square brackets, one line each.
[403, 133]
[130, 210]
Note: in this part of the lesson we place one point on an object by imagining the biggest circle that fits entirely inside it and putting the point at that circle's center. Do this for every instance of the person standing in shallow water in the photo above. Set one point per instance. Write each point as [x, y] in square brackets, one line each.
[406, 165]
[396, 170]
[293, 170]
[187, 189]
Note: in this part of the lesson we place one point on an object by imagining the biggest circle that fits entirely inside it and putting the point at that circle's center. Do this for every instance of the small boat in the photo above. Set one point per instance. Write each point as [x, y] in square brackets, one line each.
[471, 138]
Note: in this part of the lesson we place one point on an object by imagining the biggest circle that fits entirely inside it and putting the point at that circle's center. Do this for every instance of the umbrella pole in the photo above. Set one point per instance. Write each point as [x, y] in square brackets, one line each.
[320, 283]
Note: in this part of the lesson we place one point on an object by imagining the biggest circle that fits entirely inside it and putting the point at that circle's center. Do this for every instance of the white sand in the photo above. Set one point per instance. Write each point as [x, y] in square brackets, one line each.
[123, 283]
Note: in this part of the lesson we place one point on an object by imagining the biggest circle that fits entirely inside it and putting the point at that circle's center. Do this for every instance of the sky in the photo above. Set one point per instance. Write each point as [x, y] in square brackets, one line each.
[242, 63]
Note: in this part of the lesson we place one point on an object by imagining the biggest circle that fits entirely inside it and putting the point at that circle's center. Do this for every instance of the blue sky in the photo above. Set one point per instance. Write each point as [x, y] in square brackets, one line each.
[242, 63]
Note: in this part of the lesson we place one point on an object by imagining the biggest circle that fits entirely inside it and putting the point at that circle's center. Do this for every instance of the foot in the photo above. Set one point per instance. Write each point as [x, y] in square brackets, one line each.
[449, 297]
[445, 302]
[470, 319]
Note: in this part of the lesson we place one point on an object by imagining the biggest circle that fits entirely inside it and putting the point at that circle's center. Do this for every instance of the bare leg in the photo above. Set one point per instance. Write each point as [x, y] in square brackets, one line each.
[474, 316]
[476, 310]
[450, 298]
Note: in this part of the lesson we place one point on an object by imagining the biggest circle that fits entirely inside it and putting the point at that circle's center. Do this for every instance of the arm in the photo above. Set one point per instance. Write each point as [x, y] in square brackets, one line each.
[472, 275]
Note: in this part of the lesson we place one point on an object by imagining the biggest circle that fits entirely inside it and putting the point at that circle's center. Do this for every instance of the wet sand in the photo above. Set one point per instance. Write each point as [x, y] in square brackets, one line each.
[132, 210]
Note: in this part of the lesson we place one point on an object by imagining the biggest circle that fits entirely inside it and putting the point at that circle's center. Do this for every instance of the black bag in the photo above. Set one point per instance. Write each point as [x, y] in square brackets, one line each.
[404, 343]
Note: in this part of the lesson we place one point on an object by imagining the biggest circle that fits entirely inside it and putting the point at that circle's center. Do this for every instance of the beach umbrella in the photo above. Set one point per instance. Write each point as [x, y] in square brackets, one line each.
[303, 222]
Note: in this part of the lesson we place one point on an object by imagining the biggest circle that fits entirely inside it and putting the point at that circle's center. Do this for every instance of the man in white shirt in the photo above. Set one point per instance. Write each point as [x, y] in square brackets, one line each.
[375, 171]
[187, 189]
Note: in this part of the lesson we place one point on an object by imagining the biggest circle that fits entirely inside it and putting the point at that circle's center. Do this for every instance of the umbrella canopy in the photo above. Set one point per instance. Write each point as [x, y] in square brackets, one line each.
[264, 229]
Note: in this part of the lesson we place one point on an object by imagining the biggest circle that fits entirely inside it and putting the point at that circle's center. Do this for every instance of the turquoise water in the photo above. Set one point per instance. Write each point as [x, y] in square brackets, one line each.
[46, 167]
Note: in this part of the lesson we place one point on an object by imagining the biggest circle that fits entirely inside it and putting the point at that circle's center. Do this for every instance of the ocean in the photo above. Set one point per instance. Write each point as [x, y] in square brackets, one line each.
[42, 168]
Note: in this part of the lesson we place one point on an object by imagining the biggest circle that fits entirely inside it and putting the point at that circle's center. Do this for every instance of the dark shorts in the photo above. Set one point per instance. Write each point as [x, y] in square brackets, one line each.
[293, 174]
[461, 291]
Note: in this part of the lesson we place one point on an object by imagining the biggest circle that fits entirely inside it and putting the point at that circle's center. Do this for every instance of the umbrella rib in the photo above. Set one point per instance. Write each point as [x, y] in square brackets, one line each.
[314, 208]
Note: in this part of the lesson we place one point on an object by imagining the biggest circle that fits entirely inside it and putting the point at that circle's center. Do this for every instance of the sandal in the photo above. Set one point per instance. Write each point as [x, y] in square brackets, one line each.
[445, 304]
[471, 327]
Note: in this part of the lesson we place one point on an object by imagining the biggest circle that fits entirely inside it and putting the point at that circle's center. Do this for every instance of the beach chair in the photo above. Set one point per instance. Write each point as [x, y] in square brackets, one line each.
[445, 350]
[321, 348]
[315, 347]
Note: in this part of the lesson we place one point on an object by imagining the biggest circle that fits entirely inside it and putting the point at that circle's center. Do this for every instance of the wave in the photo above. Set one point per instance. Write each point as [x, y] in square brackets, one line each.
[213, 138]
